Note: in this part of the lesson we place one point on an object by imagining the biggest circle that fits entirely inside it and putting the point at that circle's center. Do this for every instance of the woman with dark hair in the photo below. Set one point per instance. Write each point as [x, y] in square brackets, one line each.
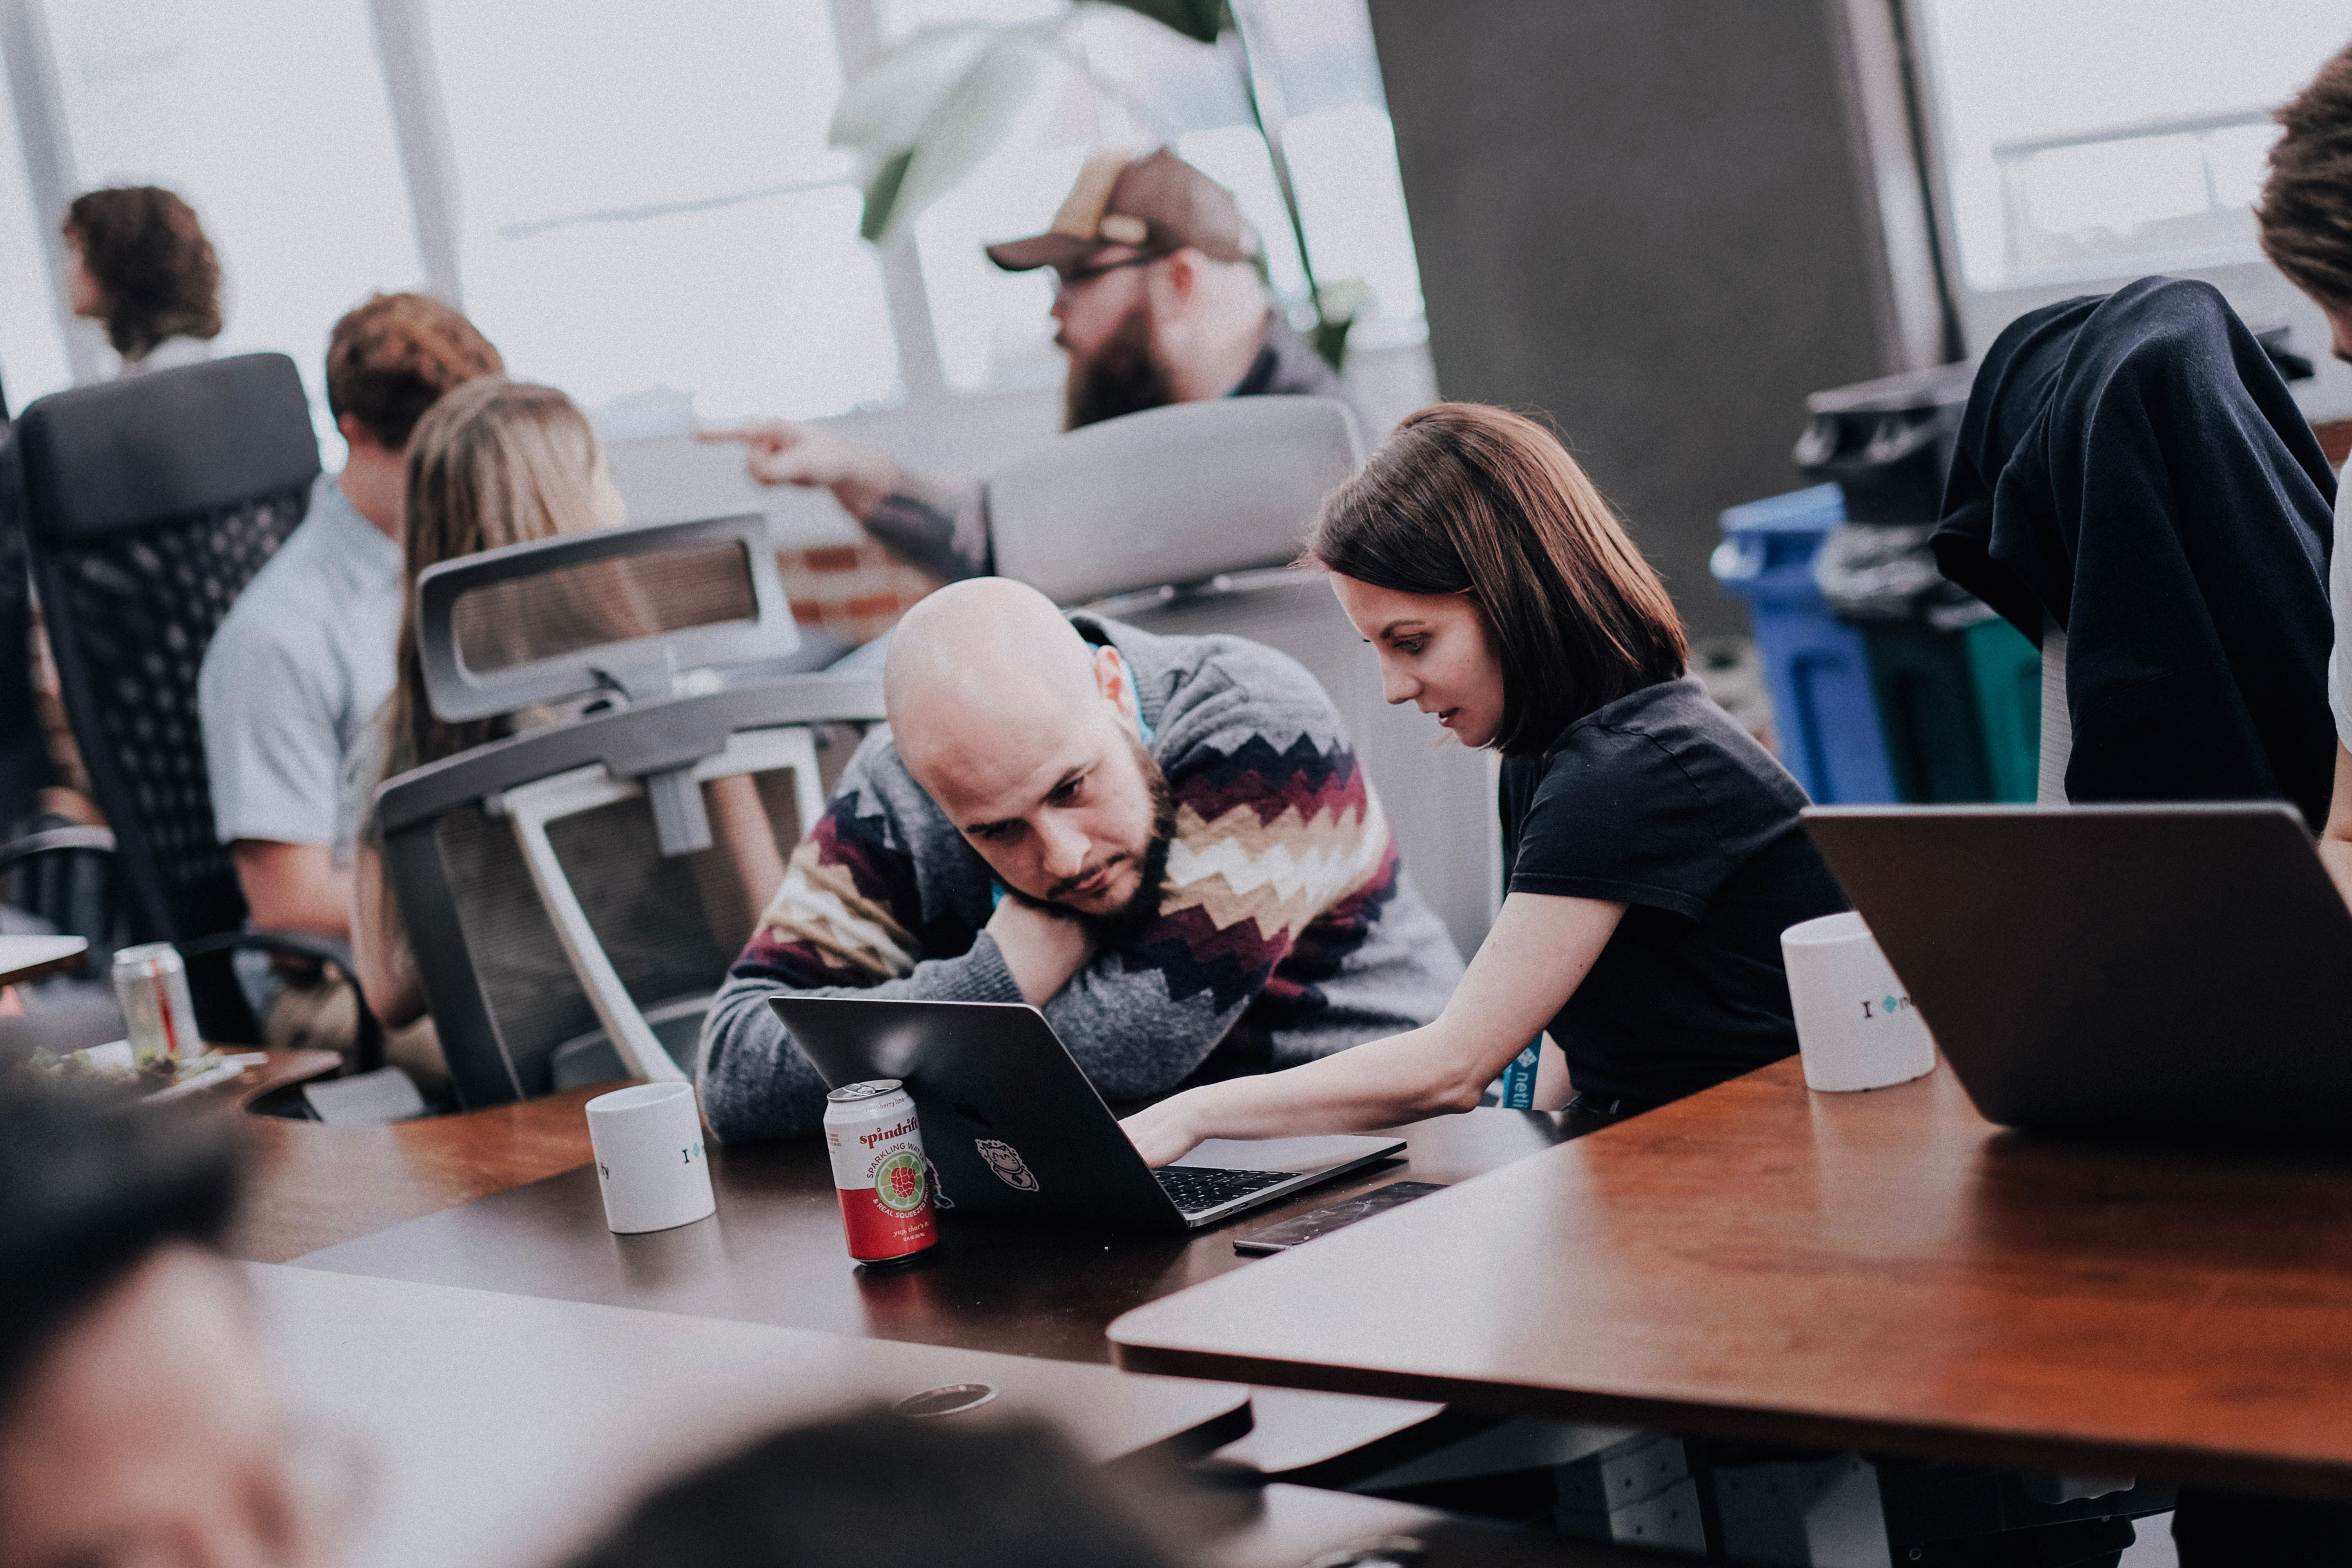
[142, 267]
[1654, 851]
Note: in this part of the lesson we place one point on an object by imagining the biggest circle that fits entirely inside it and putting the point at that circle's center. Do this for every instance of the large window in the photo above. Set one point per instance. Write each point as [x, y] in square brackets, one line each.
[636, 203]
[651, 217]
[271, 117]
[2086, 141]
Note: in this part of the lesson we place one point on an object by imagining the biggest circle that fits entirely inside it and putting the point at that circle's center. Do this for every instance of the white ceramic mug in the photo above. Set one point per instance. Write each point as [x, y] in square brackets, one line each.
[1857, 1027]
[650, 1162]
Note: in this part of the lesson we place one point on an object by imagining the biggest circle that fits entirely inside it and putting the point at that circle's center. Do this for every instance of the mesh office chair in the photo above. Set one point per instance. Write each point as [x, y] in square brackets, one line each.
[149, 504]
[1183, 521]
[574, 893]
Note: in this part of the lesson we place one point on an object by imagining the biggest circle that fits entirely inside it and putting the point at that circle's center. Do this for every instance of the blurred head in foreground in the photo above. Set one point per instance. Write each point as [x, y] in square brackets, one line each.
[881, 1487]
[137, 1424]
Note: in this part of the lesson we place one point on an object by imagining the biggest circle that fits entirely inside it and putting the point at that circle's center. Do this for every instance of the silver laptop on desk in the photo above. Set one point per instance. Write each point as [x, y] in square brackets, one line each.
[1013, 1126]
[2178, 971]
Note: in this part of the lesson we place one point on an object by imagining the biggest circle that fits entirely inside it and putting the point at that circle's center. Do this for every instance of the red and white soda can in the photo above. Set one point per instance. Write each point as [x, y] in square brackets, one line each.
[879, 1172]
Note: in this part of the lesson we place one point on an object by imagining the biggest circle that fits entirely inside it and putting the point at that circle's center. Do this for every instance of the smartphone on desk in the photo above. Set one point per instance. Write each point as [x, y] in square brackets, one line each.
[1322, 1222]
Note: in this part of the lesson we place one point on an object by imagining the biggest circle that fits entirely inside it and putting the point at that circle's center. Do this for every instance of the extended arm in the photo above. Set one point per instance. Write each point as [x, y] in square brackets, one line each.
[294, 887]
[1533, 960]
[387, 973]
[2335, 839]
[918, 522]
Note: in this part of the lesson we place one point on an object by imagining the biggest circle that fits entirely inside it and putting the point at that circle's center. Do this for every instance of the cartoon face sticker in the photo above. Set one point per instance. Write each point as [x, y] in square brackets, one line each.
[1006, 1161]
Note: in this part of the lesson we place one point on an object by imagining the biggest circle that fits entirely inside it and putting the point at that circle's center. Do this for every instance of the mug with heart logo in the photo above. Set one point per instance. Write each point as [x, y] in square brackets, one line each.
[1856, 1027]
[650, 1162]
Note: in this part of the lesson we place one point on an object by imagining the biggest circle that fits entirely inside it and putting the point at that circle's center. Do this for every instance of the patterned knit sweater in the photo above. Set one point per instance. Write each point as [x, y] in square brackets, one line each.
[1287, 928]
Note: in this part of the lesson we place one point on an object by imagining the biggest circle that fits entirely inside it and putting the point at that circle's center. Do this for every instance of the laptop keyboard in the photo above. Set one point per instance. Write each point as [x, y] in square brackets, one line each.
[1198, 1188]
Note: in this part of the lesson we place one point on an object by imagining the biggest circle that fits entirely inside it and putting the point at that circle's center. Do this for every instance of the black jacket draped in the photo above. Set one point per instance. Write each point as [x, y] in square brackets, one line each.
[2134, 468]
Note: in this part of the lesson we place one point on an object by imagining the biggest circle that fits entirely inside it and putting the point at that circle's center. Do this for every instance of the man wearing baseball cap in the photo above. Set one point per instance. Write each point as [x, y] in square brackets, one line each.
[1159, 299]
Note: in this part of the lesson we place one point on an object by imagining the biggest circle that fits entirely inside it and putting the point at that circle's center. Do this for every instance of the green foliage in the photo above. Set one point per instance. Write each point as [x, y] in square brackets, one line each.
[882, 195]
[1199, 20]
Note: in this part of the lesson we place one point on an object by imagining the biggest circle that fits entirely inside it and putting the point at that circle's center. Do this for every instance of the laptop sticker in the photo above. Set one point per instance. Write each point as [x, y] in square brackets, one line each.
[1006, 1161]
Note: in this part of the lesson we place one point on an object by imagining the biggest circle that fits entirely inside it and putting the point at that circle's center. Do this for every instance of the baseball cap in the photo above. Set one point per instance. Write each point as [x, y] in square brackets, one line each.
[1158, 205]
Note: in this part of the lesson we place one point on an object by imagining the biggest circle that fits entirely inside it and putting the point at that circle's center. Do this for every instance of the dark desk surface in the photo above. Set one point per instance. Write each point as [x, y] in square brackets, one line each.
[1886, 1271]
[773, 1252]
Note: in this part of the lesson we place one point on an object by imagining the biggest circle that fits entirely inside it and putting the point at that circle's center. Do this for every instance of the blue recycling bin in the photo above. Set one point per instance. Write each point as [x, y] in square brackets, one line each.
[1814, 664]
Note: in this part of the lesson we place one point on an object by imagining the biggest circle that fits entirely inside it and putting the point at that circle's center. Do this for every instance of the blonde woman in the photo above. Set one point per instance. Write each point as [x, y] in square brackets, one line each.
[494, 463]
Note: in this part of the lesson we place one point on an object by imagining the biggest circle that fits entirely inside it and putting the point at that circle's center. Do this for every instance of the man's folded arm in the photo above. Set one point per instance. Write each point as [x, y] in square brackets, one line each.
[757, 1084]
[1142, 1018]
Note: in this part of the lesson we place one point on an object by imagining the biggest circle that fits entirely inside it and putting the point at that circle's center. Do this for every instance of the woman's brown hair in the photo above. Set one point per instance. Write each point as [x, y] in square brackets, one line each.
[156, 274]
[1464, 499]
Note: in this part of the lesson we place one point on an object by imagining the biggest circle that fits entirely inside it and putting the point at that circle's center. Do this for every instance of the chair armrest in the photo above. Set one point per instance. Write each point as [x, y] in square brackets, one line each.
[319, 950]
[50, 840]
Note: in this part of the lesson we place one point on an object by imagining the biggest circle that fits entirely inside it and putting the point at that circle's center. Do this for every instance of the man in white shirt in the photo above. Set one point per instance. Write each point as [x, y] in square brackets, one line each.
[308, 654]
[2306, 230]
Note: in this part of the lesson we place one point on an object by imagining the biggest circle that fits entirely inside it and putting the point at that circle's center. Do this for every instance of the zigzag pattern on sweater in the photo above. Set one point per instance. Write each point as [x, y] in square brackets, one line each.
[1276, 853]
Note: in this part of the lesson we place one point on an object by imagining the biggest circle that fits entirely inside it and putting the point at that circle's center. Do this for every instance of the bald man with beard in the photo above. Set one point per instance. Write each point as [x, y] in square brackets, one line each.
[1164, 843]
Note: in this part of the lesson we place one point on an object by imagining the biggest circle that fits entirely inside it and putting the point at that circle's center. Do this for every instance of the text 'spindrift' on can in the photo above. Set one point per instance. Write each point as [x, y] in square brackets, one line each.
[879, 1172]
[152, 983]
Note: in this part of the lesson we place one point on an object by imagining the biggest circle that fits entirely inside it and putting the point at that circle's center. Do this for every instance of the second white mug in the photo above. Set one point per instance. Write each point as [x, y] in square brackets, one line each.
[650, 1162]
[1857, 1027]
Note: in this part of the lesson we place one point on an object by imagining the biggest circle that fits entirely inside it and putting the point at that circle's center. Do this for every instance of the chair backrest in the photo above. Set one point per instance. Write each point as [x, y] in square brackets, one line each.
[1175, 495]
[624, 609]
[1188, 513]
[548, 925]
[149, 504]
[647, 613]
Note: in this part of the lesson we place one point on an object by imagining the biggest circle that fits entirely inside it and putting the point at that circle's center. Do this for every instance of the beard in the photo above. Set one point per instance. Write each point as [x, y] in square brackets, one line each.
[1120, 377]
[1142, 906]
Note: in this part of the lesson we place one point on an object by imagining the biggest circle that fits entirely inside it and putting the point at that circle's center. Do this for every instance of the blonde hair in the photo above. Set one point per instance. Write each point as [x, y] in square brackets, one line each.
[495, 462]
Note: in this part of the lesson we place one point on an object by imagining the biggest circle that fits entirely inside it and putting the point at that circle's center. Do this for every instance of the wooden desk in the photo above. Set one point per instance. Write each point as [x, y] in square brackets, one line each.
[773, 1252]
[25, 959]
[1885, 1271]
[313, 1185]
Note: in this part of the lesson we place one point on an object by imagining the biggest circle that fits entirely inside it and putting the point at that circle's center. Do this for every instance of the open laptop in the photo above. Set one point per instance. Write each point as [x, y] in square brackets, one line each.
[2180, 970]
[1011, 1126]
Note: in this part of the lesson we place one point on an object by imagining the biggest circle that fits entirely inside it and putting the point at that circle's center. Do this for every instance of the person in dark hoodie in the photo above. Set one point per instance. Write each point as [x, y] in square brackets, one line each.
[2135, 488]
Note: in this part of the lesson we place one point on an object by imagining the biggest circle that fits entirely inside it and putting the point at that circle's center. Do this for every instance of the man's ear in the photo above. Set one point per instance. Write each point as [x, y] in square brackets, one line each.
[357, 433]
[1179, 278]
[1110, 680]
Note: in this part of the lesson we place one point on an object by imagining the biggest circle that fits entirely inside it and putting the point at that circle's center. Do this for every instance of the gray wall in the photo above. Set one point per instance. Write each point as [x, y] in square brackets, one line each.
[1648, 218]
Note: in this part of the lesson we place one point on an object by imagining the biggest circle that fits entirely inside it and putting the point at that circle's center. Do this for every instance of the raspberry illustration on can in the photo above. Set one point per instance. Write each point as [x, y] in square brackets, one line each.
[879, 1173]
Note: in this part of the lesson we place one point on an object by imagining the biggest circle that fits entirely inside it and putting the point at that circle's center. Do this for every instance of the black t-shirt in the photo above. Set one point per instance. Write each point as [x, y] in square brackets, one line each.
[1661, 803]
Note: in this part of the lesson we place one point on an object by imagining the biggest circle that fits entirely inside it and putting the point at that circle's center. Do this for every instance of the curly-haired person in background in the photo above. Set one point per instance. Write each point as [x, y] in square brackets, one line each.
[142, 268]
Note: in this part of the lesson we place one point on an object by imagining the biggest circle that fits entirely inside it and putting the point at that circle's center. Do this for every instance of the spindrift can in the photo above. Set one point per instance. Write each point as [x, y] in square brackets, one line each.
[879, 1172]
[152, 983]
